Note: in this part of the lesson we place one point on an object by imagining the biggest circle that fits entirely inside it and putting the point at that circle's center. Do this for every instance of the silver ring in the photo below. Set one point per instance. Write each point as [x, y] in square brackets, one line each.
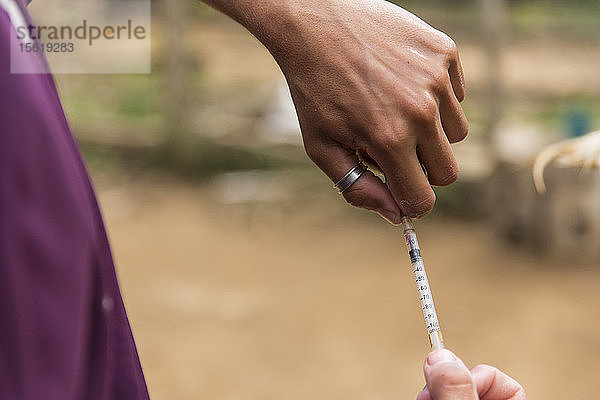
[351, 176]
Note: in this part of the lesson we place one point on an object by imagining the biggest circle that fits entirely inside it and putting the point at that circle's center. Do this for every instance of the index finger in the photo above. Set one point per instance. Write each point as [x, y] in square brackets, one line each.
[407, 182]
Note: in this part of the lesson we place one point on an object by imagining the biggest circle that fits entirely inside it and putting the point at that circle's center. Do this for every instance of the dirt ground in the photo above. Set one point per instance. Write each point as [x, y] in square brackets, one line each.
[316, 300]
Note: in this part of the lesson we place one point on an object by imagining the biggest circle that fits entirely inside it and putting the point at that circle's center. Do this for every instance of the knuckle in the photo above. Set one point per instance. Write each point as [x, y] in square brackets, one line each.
[424, 109]
[448, 45]
[419, 206]
[440, 79]
[388, 139]
[449, 175]
[315, 151]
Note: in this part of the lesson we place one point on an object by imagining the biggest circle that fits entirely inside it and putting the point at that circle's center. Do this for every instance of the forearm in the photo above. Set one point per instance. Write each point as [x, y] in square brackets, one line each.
[288, 26]
[265, 19]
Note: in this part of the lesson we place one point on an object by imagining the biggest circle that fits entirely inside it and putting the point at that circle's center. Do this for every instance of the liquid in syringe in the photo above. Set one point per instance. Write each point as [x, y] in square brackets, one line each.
[431, 320]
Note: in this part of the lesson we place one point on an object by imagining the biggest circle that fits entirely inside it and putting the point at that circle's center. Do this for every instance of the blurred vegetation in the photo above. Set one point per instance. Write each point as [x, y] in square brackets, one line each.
[199, 159]
[563, 20]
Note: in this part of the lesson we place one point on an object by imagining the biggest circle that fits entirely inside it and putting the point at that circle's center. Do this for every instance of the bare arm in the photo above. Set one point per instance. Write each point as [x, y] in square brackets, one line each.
[367, 76]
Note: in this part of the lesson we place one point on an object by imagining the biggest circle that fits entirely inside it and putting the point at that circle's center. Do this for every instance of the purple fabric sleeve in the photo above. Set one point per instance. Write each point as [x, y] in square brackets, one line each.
[64, 334]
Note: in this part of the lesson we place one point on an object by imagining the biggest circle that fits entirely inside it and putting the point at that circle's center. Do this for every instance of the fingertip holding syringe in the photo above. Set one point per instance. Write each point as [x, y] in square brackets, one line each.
[431, 320]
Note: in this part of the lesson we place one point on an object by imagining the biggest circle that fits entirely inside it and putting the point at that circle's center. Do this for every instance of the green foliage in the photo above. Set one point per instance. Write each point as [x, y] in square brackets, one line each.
[197, 159]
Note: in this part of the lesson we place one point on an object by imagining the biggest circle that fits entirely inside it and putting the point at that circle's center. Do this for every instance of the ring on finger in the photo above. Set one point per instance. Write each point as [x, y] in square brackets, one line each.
[351, 177]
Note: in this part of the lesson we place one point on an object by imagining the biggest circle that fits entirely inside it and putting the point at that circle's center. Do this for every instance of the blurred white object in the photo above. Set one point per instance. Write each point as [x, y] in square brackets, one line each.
[280, 123]
[583, 152]
[564, 223]
[518, 141]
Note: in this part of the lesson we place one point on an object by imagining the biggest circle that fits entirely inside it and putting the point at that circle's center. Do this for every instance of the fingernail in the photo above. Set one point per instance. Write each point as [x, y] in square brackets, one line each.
[439, 356]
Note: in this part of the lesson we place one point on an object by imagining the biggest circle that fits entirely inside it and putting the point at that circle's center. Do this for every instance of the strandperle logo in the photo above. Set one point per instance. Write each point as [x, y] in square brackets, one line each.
[84, 31]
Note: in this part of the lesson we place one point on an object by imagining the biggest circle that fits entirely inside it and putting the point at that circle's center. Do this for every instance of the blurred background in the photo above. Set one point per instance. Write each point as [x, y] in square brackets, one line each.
[231, 247]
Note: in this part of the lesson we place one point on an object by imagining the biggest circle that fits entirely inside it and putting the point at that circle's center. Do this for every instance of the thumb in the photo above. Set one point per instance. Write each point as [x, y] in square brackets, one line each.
[368, 192]
[448, 378]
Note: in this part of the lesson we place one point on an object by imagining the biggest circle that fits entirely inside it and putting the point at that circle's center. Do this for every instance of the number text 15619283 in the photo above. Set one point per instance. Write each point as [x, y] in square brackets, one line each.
[65, 47]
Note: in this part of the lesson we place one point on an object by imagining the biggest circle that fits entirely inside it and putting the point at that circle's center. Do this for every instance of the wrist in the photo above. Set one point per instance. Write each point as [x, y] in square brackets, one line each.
[287, 28]
[265, 19]
[283, 26]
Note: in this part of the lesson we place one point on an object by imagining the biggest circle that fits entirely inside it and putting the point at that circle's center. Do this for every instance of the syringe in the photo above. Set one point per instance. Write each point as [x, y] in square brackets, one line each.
[431, 320]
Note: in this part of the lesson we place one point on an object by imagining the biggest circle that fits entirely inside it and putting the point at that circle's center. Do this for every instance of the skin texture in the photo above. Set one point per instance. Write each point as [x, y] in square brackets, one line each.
[367, 76]
[449, 379]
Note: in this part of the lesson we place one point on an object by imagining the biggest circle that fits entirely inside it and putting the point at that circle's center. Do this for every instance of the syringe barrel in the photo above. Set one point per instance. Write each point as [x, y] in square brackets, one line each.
[423, 289]
[436, 340]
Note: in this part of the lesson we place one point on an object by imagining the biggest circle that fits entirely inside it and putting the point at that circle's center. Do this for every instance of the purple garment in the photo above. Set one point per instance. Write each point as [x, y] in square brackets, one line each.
[64, 333]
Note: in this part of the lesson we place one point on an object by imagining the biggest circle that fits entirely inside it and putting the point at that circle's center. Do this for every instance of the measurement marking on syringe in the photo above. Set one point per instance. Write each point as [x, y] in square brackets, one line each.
[431, 321]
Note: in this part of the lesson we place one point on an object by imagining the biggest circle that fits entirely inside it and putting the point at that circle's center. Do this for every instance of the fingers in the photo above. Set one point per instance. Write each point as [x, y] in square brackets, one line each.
[457, 76]
[367, 192]
[434, 150]
[447, 378]
[453, 118]
[493, 384]
[406, 179]
[436, 155]
[432, 123]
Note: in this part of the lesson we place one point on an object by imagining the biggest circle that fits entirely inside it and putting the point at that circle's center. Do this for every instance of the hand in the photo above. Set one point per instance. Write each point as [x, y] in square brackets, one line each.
[449, 379]
[367, 76]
